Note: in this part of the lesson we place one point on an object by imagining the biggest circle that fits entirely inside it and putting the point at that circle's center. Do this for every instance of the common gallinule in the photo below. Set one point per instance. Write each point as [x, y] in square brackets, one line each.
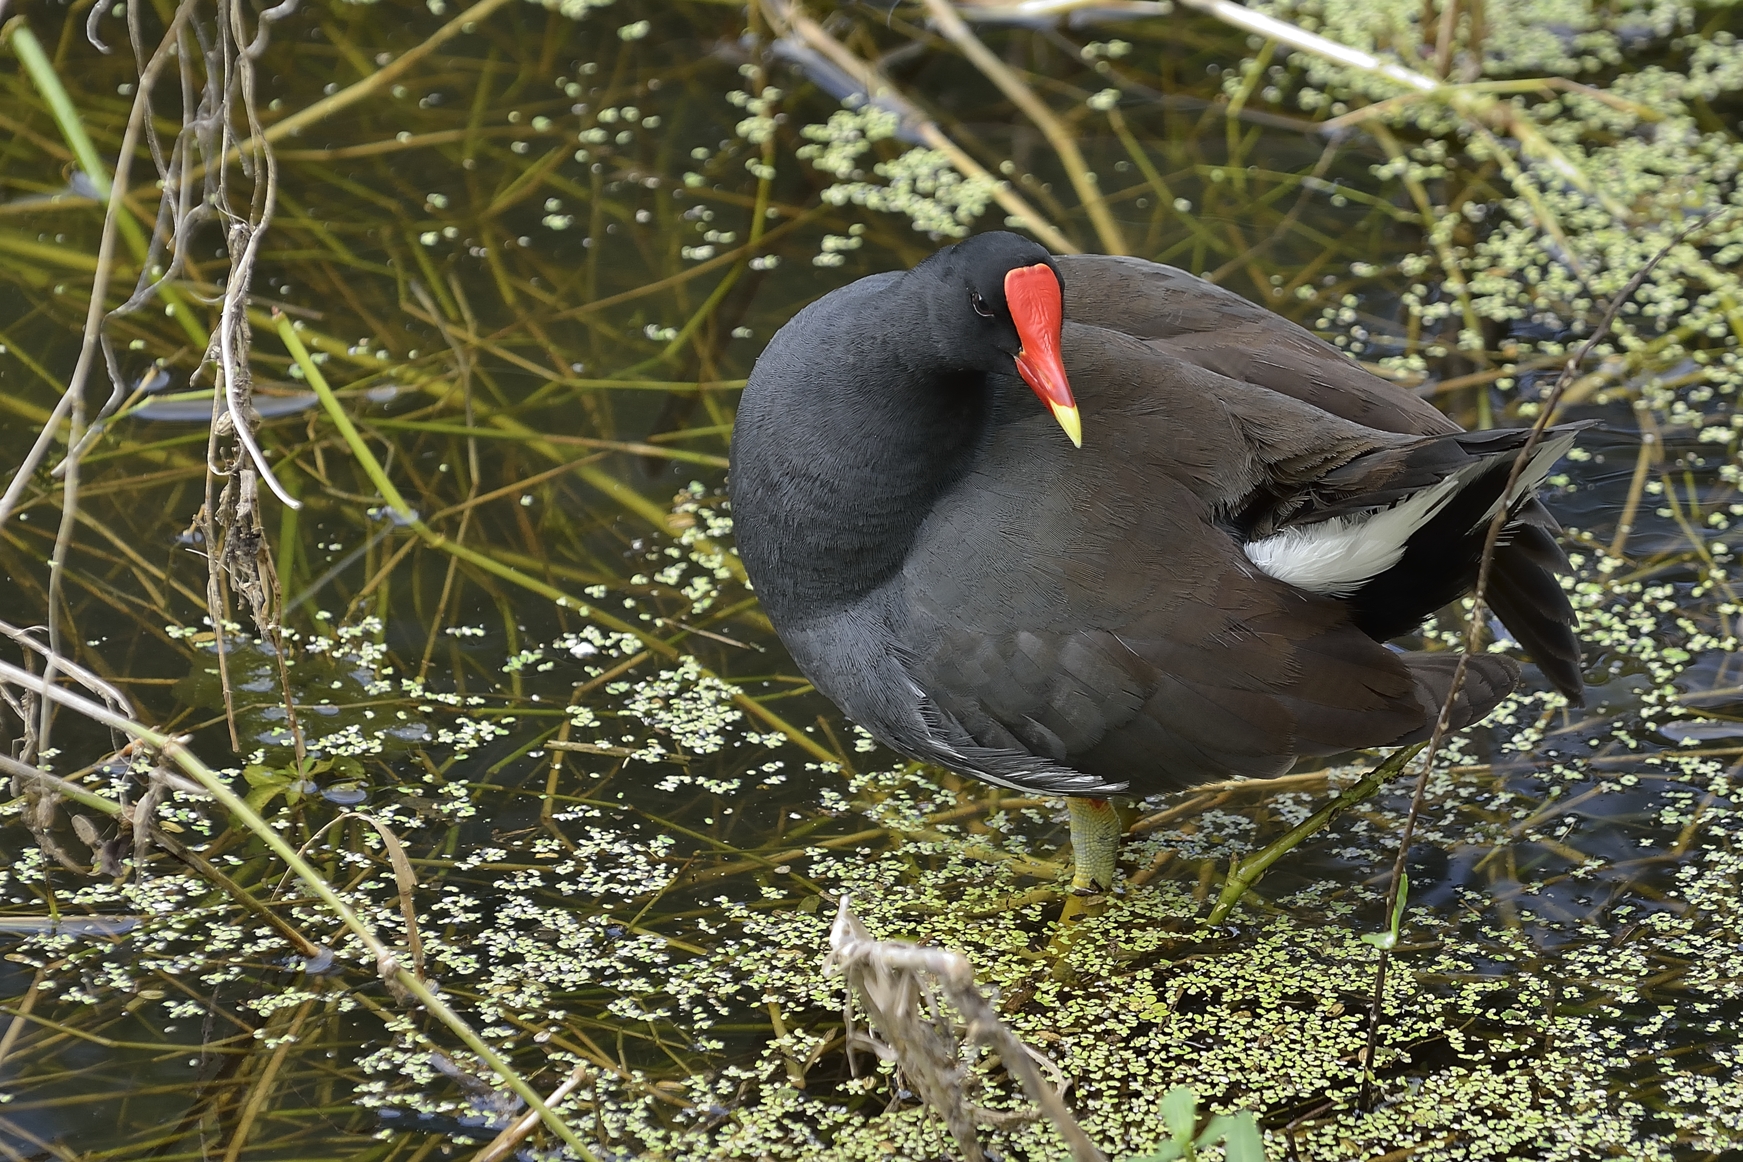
[1201, 590]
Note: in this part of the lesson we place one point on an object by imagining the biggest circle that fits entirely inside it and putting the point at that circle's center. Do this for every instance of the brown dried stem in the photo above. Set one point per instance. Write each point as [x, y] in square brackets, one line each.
[1024, 98]
[782, 17]
[894, 980]
[1475, 620]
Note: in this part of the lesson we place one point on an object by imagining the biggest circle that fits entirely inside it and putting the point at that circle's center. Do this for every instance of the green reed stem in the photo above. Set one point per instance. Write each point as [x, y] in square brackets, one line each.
[603, 481]
[1243, 874]
[66, 115]
[42, 74]
[387, 961]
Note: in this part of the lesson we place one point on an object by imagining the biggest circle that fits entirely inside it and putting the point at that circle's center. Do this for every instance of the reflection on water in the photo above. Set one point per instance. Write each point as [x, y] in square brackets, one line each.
[536, 264]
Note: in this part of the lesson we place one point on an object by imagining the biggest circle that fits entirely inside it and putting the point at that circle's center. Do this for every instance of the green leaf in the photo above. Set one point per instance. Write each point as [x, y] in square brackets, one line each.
[1243, 1142]
[265, 784]
[1239, 1133]
[1388, 940]
[1168, 1152]
[1180, 1114]
[256, 775]
[1213, 1130]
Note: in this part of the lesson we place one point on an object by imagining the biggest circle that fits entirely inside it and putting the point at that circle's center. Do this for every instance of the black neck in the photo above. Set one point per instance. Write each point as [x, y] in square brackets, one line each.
[842, 451]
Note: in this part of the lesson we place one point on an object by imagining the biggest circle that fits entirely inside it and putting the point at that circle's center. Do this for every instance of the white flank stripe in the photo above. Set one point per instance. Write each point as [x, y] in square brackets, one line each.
[1336, 557]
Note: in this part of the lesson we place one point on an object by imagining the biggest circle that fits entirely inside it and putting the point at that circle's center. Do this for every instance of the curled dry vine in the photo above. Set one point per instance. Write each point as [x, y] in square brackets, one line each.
[898, 984]
[219, 168]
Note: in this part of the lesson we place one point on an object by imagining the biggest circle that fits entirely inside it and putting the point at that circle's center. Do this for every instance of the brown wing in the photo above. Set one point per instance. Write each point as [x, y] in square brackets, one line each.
[1218, 330]
[1104, 616]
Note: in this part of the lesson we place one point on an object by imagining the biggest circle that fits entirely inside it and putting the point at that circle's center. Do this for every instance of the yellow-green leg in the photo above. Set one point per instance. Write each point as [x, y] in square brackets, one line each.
[1095, 848]
[1095, 845]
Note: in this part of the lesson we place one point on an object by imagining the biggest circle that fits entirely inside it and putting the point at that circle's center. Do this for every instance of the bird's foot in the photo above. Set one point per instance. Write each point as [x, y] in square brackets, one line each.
[1081, 906]
[1096, 828]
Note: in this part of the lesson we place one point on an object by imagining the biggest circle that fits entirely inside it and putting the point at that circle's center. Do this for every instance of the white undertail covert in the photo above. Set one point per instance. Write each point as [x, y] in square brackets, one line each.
[1338, 556]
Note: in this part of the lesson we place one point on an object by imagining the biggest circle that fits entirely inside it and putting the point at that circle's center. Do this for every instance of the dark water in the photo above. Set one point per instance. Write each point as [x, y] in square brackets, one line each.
[628, 818]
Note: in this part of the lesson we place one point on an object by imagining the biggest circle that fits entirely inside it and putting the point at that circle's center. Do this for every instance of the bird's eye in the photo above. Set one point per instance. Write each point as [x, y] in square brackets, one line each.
[979, 304]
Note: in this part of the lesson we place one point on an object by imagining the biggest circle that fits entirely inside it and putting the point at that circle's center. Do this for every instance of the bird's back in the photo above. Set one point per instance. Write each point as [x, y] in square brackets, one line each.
[1216, 329]
[1093, 608]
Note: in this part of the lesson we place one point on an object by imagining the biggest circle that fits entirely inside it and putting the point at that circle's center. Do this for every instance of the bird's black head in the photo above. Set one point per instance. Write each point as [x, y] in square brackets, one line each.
[999, 298]
[971, 297]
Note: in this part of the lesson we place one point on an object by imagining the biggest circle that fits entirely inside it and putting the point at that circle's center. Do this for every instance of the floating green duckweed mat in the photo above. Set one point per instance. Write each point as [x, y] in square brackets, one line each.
[483, 283]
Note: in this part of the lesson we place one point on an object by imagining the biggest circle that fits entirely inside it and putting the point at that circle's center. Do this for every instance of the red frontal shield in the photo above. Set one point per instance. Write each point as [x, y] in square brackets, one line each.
[1032, 293]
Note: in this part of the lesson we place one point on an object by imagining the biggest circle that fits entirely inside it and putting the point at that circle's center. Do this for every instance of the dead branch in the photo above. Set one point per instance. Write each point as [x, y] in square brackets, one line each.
[899, 983]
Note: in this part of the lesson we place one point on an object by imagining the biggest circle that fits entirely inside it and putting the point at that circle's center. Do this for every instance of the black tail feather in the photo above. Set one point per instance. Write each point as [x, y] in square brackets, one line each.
[1441, 562]
[1527, 598]
[1488, 679]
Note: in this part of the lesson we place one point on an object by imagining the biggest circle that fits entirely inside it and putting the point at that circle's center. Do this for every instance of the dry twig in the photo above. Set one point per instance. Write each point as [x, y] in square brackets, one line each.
[898, 983]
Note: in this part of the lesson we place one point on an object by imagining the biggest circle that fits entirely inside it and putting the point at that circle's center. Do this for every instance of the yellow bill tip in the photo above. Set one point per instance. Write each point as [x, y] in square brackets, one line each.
[1070, 421]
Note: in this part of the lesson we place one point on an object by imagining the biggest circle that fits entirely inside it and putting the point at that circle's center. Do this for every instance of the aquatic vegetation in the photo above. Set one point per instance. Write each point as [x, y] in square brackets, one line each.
[500, 682]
